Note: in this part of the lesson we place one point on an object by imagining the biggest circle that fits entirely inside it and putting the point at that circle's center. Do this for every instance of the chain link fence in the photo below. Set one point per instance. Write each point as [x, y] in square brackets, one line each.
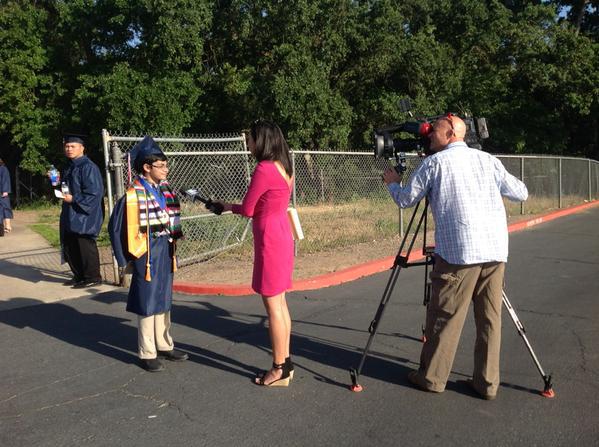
[340, 196]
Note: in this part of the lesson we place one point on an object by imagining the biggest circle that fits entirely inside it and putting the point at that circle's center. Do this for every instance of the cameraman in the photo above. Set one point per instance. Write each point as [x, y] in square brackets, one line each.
[465, 188]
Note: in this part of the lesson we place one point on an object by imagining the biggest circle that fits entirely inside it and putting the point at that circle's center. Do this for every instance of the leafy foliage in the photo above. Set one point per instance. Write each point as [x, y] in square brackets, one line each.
[327, 70]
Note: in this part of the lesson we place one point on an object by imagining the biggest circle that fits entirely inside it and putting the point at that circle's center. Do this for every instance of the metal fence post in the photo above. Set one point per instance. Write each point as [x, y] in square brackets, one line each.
[559, 201]
[590, 192]
[117, 164]
[294, 198]
[522, 179]
[105, 141]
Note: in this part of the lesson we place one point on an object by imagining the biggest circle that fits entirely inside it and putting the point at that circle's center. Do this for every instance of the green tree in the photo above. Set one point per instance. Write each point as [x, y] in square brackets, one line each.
[26, 112]
[150, 78]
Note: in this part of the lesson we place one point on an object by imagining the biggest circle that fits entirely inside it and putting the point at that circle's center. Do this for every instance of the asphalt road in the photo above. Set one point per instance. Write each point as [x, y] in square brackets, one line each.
[69, 374]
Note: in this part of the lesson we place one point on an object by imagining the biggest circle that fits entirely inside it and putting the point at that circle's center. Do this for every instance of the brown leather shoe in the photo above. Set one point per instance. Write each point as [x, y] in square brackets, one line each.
[481, 395]
[415, 380]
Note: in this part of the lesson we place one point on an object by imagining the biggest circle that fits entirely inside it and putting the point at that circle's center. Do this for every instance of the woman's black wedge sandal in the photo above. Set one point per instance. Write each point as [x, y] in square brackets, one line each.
[289, 365]
[283, 381]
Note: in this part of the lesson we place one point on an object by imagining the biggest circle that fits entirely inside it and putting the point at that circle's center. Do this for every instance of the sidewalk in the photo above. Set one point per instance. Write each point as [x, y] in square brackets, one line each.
[31, 272]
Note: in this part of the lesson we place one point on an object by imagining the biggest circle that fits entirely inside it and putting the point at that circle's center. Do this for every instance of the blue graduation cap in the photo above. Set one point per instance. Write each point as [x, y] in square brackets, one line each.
[73, 138]
[143, 150]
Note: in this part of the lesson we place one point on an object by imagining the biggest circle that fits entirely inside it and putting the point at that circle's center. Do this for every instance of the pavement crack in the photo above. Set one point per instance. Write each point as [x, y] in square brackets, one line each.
[161, 403]
[55, 382]
[66, 402]
[583, 354]
[551, 314]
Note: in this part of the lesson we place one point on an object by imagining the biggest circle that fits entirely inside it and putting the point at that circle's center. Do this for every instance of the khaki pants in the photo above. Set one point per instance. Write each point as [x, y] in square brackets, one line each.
[453, 288]
[153, 334]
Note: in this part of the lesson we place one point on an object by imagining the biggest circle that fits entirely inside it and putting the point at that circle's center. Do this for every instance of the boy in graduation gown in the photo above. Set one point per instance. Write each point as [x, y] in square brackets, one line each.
[143, 228]
[82, 215]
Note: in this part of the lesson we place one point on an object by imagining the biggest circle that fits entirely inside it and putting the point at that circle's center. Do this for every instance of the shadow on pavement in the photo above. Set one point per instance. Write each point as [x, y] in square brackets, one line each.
[32, 273]
[251, 329]
[103, 334]
[116, 337]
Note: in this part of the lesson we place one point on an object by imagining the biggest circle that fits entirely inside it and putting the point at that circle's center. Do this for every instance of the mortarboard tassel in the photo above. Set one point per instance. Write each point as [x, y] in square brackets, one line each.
[129, 167]
[174, 256]
[148, 269]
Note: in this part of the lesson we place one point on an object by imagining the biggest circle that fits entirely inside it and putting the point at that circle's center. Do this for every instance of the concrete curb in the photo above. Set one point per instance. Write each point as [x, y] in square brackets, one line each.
[357, 271]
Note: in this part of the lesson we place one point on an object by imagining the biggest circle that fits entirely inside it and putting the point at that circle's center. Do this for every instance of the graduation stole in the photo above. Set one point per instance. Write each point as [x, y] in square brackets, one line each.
[152, 218]
[145, 217]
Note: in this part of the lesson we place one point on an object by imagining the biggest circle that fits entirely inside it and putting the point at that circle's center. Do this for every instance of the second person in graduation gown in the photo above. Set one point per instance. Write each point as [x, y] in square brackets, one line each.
[144, 228]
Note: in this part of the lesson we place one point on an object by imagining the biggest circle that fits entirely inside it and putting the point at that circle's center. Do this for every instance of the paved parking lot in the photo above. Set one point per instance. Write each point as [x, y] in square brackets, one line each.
[69, 375]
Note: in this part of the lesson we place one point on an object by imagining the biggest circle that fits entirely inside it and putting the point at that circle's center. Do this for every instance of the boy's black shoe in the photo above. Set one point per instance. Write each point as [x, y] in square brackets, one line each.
[71, 282]
[173, 356]
[152, 365]
[86, 284]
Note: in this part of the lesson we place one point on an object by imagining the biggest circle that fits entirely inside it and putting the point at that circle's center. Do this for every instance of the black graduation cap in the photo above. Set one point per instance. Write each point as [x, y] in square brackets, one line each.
[143, 150]
[74, 138]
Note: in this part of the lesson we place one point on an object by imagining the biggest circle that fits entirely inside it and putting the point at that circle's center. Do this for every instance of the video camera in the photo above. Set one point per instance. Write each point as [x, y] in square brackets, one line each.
[386, 146]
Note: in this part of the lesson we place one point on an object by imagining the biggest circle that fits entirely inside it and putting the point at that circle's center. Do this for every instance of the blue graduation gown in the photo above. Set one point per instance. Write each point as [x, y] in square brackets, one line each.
[145, 297]
[83, 216]
[5, 209]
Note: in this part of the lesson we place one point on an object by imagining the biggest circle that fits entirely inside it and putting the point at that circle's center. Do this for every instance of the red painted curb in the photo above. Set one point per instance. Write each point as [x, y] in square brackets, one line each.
[550, 216]
[357, 271]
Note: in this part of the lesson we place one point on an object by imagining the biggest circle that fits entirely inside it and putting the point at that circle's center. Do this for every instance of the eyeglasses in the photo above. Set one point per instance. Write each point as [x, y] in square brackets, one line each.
[163, 166]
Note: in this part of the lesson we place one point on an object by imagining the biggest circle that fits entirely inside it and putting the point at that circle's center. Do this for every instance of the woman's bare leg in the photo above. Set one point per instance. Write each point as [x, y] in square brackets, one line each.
[279, 329]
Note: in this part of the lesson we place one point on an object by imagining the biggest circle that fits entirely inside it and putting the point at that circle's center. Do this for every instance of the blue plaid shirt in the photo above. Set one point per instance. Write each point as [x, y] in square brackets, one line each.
[464, 187]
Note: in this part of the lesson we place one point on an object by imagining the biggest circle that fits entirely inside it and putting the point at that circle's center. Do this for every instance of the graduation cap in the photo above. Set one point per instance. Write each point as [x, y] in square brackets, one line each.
[141, 151]
[73, 138]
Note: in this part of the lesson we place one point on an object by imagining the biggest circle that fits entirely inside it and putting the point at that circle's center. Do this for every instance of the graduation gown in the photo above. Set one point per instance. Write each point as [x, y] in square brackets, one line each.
[5, 209]
[85, 214]
[145, 297]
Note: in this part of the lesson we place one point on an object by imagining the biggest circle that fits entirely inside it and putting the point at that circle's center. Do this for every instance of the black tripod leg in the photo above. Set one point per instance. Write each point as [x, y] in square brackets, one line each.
[427, 299]
[373, 328]
[548, 389]
[428, 289]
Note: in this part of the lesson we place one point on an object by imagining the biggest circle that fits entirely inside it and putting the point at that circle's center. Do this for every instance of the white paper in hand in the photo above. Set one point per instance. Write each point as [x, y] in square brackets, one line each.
[58, 194]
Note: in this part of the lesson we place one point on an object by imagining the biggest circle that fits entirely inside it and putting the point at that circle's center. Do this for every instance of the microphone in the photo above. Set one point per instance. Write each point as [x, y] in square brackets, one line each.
[213, 207]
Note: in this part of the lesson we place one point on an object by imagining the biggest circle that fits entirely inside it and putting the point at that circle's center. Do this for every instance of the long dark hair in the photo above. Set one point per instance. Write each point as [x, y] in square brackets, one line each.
[271, 144]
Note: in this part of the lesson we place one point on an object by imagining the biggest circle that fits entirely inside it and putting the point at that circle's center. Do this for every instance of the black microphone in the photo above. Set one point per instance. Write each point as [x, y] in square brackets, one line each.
[213, 207]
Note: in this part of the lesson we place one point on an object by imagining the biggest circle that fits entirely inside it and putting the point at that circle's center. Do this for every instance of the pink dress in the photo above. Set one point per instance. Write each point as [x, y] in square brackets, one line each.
[266, 201]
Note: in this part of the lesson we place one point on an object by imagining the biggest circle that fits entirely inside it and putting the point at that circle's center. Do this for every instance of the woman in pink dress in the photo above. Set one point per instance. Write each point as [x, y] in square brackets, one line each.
[266, 202]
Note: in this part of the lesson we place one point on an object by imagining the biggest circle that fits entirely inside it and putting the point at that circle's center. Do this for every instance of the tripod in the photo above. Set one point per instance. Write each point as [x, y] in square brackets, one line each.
[403, 262]
[399, 263]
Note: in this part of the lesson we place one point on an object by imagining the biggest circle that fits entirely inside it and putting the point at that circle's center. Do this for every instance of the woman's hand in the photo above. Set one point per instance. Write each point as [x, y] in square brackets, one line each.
[217, 207]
